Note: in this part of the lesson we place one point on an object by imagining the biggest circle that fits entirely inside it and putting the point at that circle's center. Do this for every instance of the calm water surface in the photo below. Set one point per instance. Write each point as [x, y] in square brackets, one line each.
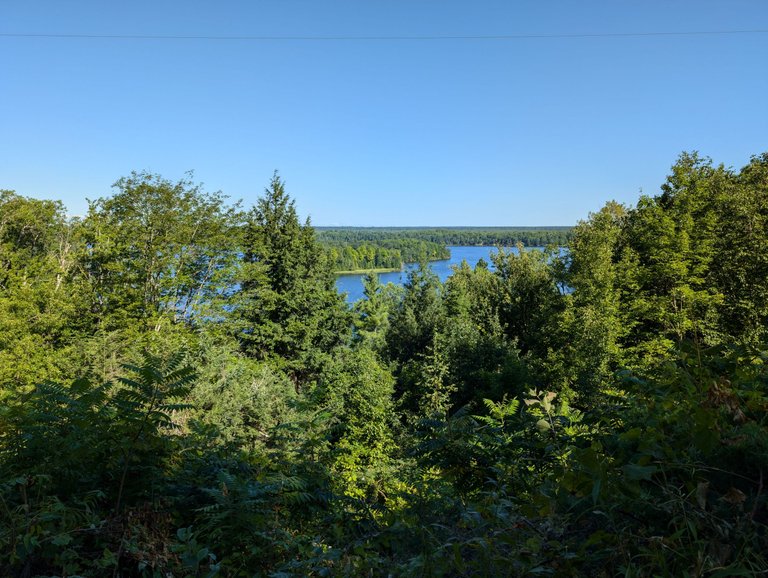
[352, 285]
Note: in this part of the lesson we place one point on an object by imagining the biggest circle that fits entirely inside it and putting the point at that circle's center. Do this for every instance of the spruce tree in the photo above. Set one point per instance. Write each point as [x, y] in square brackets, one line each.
[288, 310]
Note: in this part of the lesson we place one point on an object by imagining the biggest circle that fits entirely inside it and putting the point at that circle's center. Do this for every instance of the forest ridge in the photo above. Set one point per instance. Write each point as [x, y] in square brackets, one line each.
[183, 392]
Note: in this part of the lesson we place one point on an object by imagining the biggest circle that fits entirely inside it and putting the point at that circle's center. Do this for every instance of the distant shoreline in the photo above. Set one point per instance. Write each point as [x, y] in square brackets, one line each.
[390, 228]
[367, 271]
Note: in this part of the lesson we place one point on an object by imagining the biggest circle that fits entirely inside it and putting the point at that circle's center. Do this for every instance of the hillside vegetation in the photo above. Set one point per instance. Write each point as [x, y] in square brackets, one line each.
[184, 393]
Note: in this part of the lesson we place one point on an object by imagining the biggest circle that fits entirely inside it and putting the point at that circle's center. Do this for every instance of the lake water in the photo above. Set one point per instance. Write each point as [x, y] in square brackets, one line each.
[352, 285]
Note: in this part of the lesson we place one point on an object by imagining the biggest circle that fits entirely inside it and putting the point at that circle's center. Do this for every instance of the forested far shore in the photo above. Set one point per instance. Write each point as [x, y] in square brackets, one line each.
[183, 392]
[477, 236]
[366, 248]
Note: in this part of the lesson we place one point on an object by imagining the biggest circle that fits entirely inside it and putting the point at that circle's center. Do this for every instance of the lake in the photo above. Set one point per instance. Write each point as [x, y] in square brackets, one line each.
[352, 285]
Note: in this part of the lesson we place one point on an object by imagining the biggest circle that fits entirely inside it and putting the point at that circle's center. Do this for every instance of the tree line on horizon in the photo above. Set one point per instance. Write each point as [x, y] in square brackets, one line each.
[183, 392]
[444, 236]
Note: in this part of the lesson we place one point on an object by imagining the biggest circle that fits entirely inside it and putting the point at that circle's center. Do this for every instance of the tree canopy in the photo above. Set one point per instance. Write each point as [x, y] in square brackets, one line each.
[183, 392]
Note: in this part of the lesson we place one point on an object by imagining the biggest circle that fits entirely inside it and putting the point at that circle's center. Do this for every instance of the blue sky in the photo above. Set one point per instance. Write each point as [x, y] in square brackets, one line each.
[536, 131]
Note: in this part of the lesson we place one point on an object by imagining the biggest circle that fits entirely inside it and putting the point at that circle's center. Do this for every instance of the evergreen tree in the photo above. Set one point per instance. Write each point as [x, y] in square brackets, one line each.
[417, 317]
[372, 312]
[288, 309]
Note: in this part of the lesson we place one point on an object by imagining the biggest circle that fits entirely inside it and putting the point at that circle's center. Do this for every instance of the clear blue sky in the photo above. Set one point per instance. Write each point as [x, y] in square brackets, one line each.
[381, 132]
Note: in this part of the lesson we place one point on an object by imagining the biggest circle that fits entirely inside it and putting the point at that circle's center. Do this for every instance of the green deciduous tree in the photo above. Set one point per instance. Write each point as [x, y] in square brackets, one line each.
[358, 391]
[529, 298]
[484, 362]
[593, 318]
[668, 245]
[156, 252]
[740, 261]
[37, 313]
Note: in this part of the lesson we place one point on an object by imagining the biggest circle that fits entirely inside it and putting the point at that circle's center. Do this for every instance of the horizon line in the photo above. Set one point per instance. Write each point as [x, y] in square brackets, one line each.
[440, 226]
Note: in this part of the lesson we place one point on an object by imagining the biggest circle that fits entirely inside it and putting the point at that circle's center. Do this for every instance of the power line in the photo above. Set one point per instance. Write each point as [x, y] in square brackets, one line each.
[376, 38]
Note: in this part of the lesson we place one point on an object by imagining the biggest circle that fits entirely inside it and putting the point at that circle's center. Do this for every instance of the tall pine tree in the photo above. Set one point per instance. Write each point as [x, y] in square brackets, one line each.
[288, 310]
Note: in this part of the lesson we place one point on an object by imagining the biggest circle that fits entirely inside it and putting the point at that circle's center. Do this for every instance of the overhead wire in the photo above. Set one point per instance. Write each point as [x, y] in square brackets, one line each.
[301, 38]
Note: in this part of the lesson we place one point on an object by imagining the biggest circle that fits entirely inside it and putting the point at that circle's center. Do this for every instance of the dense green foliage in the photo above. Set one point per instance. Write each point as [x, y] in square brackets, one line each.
[183, 392]
[287, 310]
[383, 254]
